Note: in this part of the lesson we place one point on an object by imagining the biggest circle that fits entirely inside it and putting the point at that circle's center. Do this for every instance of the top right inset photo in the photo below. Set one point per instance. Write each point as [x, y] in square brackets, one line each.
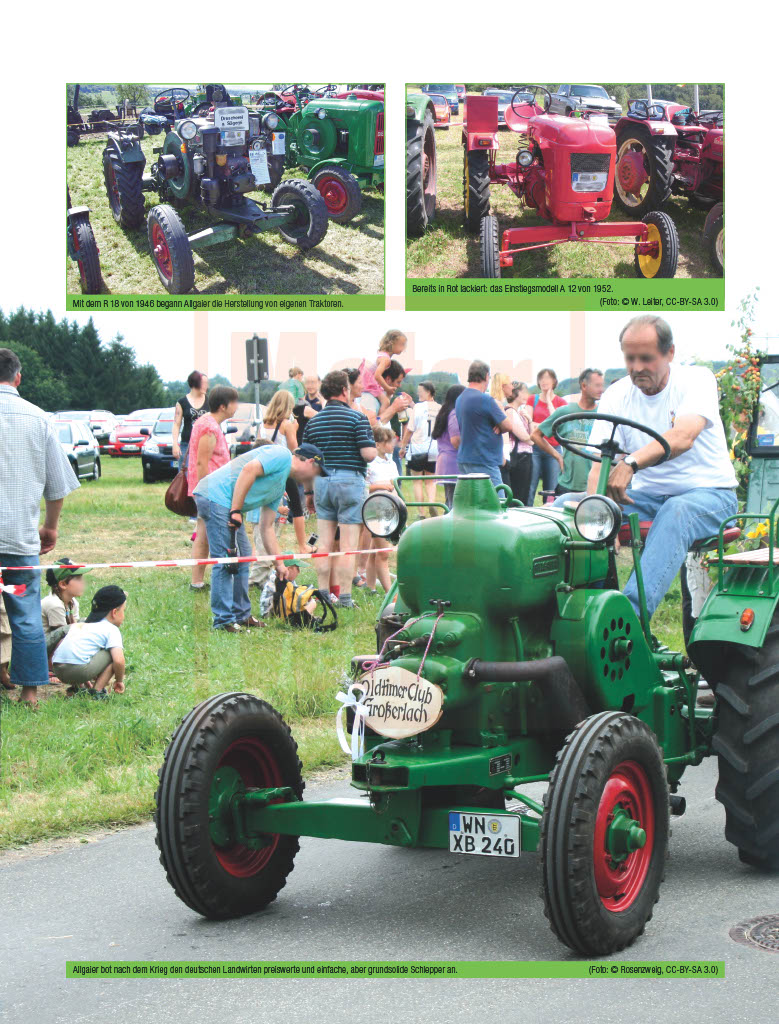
[564, 182]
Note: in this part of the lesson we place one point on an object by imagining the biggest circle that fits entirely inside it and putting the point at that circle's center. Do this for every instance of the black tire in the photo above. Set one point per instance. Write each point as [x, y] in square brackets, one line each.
[148, 477]
[198, 870]
[74, 137]
[574, 809]
[310, 225]
[170, 249]
[669, 248]
[421, 175]
[714, 237]
[746, 741]
[489, 247]
[476, 188]
[699, 202]
[97, 470]
[123, 187]
[87, 256]
[341, 193]
[658, 164]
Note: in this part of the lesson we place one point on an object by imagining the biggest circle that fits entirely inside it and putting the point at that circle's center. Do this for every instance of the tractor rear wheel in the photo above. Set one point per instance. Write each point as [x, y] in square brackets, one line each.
[604, 834]
[341, 193]
[73, 137]
[644, 171]
[746, 741]
[476, 188]
[489, 247]
[123, 185]
[228, 743]
[170, 249]
[714, 237]
[87, 255]
[309, 226]
[421, 174]
[663, 231]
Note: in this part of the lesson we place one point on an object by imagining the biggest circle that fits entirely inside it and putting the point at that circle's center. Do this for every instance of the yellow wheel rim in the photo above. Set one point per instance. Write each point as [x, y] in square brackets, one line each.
[649, 265]
[467, 182]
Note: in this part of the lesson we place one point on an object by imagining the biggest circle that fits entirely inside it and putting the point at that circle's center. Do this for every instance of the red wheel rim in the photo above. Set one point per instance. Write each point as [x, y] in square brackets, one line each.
[161, 251]
[113, 186]
[255, 763]
[618, 885]
[333, 191]
[79, 263]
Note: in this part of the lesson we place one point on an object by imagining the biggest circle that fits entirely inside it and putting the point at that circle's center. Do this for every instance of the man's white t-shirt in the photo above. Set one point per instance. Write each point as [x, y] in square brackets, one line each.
[84, 639]
[691, 390]
[423, 421]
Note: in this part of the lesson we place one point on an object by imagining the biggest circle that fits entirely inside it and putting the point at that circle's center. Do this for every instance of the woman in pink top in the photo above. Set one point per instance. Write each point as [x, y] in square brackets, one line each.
[208, 451]
[378, 391]
[546, 468]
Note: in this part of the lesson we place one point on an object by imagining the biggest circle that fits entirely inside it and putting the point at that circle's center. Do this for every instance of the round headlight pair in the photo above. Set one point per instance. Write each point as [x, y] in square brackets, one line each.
[188, 130]
[598, 518]
[270, 121]
[525, 157]
[384, 514]
[321, 114]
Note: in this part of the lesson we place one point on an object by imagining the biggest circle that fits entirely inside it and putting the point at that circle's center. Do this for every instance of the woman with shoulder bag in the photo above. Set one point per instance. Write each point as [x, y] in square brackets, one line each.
[419, 446]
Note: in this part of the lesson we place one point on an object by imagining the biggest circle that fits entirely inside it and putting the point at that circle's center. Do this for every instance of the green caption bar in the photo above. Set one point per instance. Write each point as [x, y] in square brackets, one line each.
[586, 293]
[187, 303]
[393, 969]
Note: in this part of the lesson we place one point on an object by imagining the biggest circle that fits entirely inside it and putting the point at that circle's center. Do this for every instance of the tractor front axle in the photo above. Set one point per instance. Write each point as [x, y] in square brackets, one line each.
[632, 233]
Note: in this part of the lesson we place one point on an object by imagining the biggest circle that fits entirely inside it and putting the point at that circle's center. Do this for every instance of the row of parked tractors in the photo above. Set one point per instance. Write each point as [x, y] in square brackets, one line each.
[215, 150]
[569, 170]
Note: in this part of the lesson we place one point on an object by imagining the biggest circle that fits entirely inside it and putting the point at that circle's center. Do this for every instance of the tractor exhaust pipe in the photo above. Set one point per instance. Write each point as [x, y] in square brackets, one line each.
[696, 103]
[565, 705]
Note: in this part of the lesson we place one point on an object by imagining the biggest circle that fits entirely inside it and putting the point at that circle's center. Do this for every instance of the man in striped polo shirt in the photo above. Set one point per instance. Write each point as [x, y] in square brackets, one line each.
[346, 441]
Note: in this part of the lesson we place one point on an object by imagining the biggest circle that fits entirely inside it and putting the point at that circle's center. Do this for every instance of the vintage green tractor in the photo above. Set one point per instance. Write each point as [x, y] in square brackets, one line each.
[421, 163]
[507, 656]
[338, 141]
[211, 162]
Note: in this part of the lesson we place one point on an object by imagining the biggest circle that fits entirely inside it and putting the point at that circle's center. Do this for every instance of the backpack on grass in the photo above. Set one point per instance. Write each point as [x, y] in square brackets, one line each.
[292, 604]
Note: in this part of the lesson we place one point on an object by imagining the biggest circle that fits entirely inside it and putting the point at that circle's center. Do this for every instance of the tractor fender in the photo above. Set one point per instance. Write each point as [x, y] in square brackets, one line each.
[126, 147]
[653, 128]
[346, 165]
[720, 623]
[480, 124]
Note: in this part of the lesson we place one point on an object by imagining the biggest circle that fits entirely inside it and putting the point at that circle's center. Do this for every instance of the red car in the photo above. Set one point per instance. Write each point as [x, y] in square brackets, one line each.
[443, 113]
[126, 439]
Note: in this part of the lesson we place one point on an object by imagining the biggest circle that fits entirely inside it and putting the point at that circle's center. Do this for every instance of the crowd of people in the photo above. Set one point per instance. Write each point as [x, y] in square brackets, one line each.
[323, 445]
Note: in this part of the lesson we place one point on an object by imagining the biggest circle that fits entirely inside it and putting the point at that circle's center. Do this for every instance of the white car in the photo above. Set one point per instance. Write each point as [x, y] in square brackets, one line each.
[80, 446]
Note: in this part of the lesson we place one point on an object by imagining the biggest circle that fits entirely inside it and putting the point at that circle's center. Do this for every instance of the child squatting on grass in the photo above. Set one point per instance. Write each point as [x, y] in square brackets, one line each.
[59, 609]
[92, 652]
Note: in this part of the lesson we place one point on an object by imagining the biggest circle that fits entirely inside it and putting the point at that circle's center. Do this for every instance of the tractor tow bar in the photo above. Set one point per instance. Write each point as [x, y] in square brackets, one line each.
[632, 233]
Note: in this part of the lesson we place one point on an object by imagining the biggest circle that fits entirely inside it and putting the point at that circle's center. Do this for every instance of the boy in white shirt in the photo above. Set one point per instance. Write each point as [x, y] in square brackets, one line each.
[92, 652]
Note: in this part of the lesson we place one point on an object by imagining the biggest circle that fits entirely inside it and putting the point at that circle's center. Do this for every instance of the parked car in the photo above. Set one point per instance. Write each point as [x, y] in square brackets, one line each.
[101, 423]
[157, 456]
[127, 439]
[460, 93]
[593, 98]
[80, 447]
[504, 101]
[443, 114]
[450, 91]
[242, 428]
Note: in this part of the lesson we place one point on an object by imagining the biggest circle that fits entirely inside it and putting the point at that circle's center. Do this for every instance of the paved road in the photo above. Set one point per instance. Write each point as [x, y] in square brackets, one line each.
[108, 899]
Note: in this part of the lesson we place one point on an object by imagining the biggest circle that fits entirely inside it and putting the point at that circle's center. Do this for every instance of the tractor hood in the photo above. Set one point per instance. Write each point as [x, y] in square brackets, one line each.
[578, 133]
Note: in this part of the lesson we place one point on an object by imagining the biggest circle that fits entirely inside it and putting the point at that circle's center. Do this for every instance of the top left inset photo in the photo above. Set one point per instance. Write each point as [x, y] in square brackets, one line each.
[217, 191]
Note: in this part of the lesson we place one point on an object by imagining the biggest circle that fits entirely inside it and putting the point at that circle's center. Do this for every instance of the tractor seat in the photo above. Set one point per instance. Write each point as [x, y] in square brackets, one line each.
[706, 544]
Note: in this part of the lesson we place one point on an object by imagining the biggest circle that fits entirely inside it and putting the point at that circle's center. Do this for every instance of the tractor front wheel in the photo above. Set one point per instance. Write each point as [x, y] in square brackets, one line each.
[476, 188]
[170, 249]
[421, 174]
[714, 237]
[309, 225]
[87, 255]
[644, 171]
[341, 193]
[123, 186]
[604, 834]
[663, 231]
[226, 745]
[489, 247]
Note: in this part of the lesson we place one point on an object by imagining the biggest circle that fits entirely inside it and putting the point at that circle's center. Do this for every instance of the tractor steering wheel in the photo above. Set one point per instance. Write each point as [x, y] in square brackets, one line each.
[271, 100]
[323, 90]
[608, 448]
[530, 104]
[174, 95]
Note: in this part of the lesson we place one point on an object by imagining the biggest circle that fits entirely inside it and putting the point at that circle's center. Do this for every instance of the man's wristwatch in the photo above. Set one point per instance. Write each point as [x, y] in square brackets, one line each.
[629, 460]
[307, 493]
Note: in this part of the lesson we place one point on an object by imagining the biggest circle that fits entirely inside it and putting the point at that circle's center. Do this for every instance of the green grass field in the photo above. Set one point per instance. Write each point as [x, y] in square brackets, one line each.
[79, 764]
[349, 260]
[448, 250]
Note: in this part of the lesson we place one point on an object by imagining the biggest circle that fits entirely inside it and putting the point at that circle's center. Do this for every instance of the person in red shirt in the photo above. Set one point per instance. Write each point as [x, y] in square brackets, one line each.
[546, 468]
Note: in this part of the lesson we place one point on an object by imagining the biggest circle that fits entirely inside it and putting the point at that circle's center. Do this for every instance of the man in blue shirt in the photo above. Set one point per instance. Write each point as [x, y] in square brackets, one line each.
[255, 480]
[482, 421]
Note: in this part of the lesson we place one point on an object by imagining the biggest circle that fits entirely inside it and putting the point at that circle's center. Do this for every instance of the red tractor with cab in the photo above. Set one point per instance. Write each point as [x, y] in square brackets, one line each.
[564, 170]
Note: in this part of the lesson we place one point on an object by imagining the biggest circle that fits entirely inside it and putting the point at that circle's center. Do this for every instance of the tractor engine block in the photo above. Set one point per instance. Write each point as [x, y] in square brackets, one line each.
[534, 184]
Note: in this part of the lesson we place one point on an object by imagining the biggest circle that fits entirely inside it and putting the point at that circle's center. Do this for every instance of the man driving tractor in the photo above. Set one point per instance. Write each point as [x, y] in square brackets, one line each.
[687, 497]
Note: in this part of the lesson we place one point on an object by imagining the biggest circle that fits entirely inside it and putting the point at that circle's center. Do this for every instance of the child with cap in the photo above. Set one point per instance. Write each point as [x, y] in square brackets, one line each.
[59, 609]
[92, 652]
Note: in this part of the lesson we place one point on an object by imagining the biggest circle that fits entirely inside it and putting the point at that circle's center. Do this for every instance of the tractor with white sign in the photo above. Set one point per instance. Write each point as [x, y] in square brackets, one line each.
[211, 162]
[507, 656]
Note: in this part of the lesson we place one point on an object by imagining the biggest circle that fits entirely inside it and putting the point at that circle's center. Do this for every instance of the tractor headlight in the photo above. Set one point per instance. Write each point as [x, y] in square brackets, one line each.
[384, 514]
[598, 518]
[270, 121]
[524, 157]
[321, 114]
[187, 130]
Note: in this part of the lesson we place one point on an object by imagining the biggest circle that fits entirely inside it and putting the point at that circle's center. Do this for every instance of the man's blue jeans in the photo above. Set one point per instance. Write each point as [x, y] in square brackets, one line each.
[493, 472]
[229, 594]
[677, 521]
[29, 662]
[546, 470]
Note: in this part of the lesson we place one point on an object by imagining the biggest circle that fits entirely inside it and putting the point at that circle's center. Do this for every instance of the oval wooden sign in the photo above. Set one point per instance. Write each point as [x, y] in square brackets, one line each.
[400, 704]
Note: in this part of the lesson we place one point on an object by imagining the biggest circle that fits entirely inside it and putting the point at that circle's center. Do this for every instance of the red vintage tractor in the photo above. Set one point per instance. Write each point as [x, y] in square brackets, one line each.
[564, 170]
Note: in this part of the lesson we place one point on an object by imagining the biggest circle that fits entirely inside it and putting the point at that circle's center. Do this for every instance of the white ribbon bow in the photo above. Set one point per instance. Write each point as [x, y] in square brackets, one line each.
[361, 711]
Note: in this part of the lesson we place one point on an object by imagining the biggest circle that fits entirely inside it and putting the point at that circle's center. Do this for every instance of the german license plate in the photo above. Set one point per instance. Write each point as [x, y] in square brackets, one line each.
[233, 138]
[589, 181]
[279, 143]
[378, 161]
[174, 463]
[487, 835]
[131, 448]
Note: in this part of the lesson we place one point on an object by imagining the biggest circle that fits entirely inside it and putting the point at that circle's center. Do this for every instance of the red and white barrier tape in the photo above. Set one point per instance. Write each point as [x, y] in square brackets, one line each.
[183, 563]
[17, 589]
